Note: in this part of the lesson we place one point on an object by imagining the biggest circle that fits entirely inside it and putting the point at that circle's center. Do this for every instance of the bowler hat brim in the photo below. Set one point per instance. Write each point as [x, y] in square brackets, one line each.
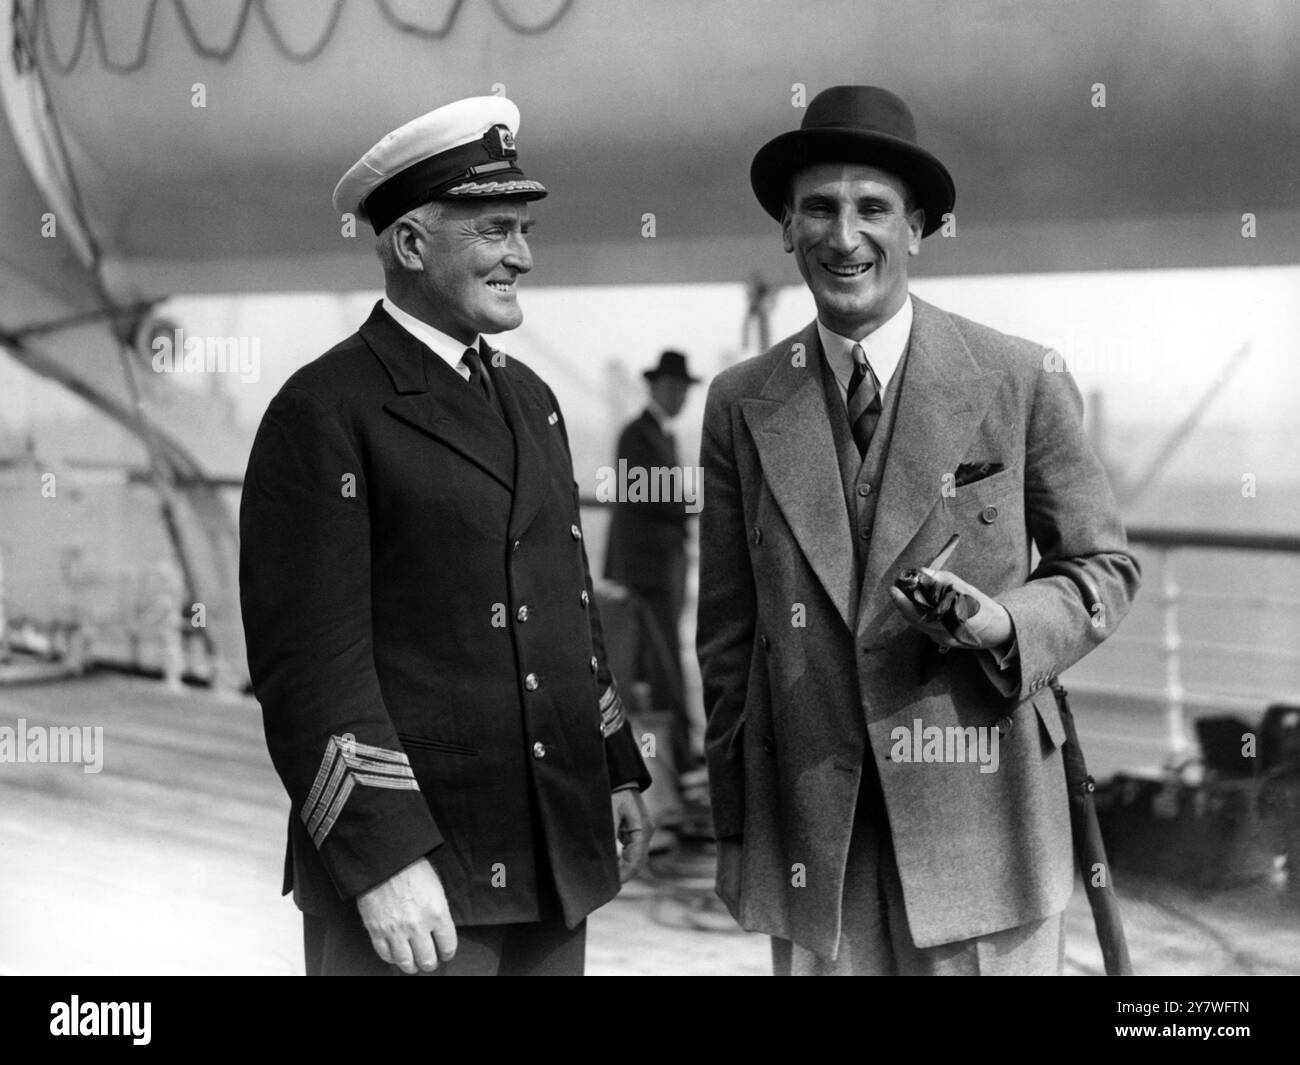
[781, 158]
[654, 372]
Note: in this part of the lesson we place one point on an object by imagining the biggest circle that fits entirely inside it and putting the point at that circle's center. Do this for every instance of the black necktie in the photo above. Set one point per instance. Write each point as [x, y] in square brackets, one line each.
[479, 379]
[477, 376]
[671, 441]
[864, 400]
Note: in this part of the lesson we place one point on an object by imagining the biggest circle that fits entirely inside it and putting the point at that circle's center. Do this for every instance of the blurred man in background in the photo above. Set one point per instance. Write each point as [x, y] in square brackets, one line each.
[647, 537]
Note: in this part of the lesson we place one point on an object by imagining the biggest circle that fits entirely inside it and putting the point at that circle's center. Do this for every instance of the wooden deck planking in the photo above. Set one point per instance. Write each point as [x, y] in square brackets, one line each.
[169, 861]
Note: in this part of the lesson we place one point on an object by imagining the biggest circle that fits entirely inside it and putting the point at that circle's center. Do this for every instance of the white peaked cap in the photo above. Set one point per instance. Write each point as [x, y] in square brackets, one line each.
[464, 149]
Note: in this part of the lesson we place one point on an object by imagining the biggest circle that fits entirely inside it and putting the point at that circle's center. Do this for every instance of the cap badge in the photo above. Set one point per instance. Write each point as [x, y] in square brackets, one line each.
[500, 142]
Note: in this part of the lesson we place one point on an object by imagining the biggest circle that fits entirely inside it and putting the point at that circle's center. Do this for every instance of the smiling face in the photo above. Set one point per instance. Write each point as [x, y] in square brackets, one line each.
[851, 233]
[459, 270]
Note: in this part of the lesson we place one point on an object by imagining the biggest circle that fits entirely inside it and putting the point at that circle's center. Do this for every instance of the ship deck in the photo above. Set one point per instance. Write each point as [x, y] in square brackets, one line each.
[168, 861]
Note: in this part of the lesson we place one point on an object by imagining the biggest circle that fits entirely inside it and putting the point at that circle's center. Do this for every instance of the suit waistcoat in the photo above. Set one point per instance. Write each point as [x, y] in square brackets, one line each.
[861, 475]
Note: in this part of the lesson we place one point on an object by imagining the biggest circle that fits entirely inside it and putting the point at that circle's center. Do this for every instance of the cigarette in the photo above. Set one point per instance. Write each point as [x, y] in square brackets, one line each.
[946, 553]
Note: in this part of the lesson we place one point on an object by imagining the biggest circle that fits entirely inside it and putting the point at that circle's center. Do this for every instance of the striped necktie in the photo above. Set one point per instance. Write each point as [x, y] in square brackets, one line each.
[864, 400]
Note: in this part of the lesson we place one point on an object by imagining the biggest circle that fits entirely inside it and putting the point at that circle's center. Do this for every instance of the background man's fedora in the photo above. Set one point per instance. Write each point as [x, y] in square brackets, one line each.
[671, 364]
[854, 124]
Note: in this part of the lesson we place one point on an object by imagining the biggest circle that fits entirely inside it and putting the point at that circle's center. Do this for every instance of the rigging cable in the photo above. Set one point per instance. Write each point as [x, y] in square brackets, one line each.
[35, 17]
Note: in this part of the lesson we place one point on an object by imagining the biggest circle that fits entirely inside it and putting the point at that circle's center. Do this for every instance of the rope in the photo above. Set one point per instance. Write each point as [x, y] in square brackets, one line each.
[529, 31]
[31, 24]
[434, 33]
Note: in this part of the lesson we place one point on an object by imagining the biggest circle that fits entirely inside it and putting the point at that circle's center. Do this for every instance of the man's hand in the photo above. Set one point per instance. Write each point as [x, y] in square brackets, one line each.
[729, 866]
[990, 628]
[409, 920]
[633, 827]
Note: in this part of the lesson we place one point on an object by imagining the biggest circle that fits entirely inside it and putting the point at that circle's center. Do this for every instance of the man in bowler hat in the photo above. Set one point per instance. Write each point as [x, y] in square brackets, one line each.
[422, 632]
[853, 449]
[647, 537]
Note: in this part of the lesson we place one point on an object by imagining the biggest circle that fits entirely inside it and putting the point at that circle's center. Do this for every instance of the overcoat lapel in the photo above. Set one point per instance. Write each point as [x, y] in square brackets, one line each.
[529, 421]
[945, 394]
[792, 433]
[433, 398]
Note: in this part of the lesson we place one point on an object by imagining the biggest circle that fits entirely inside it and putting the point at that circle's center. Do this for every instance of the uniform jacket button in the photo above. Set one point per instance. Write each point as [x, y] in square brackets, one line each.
[539, 749]
[1005, 725]
[515, 546]
[989, 514]
[757, 536]
[864, 489]
[762, 639]
[575, 532]
[531, 682]
[584, 598]
[522, 613]
[595, 665]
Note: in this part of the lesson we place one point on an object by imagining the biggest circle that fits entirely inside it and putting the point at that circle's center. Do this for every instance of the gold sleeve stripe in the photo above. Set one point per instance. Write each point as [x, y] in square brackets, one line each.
[612, 715]
[345, 765]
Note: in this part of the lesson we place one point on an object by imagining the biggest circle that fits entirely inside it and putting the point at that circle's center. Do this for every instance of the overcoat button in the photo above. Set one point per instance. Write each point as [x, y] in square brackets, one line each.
[864, 489]
[865, 533]
[522, 613]
[1005, 725]
[594, 664]
[989, 514]
[575, 532]
[584, 598]
[515, 546]
[531, 682]
[539, 750]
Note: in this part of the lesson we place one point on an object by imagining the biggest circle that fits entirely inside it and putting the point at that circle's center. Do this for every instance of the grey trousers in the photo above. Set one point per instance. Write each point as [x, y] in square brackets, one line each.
[875, 939]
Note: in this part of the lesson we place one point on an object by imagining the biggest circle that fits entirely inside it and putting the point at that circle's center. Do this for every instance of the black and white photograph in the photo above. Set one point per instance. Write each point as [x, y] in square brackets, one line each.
[613, 488]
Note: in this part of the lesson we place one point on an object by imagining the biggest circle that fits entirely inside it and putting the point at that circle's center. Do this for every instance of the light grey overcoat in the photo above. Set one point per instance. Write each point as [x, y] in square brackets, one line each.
[808, 669]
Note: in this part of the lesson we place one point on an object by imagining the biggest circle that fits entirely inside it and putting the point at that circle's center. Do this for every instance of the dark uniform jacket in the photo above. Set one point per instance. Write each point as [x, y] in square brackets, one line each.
[646, 537]
[422, 635]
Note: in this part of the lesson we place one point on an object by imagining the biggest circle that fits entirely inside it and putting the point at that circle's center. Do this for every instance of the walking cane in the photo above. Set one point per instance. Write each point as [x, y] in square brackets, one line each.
[954, 610]
[1089, 849]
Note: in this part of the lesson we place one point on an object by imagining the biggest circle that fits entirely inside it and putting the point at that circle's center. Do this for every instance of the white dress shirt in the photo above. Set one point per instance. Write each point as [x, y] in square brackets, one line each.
[884, 347]
[665, 423]
[448, 349]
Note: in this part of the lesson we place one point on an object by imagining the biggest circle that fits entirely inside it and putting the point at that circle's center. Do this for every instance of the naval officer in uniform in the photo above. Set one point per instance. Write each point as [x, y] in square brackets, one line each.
[422, 633]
